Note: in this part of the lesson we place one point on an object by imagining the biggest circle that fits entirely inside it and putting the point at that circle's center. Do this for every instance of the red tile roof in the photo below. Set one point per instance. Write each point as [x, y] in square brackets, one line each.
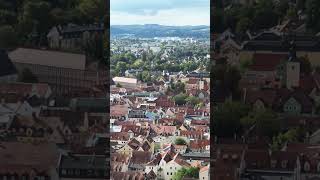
[267, 62]
[16, 156]
[119, 136]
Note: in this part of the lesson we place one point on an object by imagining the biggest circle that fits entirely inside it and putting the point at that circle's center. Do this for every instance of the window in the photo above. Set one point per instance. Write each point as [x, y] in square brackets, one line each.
[273, 163]
[90, 172]
[77, 172]
[284, 163]
[306, 166]
[167, 173]
[70, 172]
[63, 172]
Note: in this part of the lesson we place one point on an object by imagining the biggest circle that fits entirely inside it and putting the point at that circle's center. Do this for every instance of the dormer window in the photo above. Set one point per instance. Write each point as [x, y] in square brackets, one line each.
[284, 164]
[63, 172]
[273, 163]
[306, 166]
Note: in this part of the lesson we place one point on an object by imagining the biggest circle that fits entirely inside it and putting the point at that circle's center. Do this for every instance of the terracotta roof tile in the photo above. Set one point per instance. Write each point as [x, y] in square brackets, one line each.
[267, 62]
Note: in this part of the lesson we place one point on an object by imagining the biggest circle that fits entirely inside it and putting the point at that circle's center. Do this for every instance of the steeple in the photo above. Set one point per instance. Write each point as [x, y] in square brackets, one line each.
[292, 51]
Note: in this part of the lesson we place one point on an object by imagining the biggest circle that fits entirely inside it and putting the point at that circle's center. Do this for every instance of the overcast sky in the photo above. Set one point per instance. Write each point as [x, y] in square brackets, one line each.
[164, 12]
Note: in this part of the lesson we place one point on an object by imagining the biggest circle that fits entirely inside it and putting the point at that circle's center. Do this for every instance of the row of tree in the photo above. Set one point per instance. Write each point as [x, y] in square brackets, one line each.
[235, 118]
[27, 22]
[264, 14]
[148, 61]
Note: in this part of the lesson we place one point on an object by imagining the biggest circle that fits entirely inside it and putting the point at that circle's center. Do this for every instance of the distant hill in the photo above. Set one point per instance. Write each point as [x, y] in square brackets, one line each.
[155, 30]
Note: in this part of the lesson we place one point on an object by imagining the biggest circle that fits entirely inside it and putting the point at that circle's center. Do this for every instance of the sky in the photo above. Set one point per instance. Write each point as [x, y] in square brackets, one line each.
[164, 12]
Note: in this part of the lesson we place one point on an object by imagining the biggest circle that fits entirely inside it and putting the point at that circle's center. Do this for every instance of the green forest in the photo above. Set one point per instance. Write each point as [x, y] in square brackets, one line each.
[27, 22]
[262, 14]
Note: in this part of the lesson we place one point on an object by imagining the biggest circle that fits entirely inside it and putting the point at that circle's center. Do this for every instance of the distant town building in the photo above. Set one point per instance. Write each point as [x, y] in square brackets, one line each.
[126, 82]
[87, 167]
[64, 72]
[73, 37]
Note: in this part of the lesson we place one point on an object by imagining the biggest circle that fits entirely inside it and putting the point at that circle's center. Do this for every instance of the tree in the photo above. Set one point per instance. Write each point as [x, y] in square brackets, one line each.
[301, 4]
[8, 37]
[176, 88]
[27, 76]
[180, 141]
[121, 67]
[93, 10]
[38, 12]
[249, 120]
[313, 13]
[7, 17]
[118, 85]
[227, 118]
[137, 64]
[282, 7]
[244, 64]
[264, 15]
[268, 123]
[292, 13]
[218, 19]
[192, 100]
[192, 172]
[292, 135]
[243, 25]
[146, 77]
[180, 99]
[305, 65]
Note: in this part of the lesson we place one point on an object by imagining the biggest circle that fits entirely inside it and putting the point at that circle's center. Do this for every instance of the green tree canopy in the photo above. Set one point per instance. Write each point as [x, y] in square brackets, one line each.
[192, 172]
[192, 100]
[305, 65]
[292, 135]
[313, 13]
[180, 99]
[268, 123]
[8, 37]
[227, 118]
[180, 141]
[27, 76]
[93, 9]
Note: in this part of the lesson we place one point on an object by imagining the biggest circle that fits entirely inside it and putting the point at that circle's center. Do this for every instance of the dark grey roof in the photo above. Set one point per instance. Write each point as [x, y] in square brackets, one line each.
[136, 113]
[302, 44]
[198, 75]
[83, 162]
[72, 28]
[90, 104]
[195, 154]
[6, 66]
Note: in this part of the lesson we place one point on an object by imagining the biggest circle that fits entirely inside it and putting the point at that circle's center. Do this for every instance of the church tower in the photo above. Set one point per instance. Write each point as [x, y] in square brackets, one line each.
[292, 69]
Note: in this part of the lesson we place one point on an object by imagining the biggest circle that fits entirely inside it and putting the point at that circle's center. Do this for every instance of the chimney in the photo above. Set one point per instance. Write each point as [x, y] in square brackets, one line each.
[86, 120]
[244, 94]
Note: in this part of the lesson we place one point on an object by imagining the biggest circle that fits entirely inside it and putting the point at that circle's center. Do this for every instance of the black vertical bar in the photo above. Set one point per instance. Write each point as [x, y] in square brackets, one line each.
[212, 151]
[106, 54]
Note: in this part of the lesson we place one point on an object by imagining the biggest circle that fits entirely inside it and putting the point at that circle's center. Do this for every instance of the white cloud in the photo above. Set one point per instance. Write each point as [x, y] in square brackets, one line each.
[177, 17]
